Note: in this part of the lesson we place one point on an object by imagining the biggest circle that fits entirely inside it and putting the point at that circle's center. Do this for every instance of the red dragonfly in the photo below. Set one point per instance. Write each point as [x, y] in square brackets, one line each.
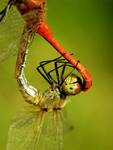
[33, 14]
[26, 132]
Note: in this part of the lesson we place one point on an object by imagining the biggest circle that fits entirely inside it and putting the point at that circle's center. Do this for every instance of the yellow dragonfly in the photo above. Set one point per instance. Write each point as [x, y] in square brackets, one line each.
[41, 126]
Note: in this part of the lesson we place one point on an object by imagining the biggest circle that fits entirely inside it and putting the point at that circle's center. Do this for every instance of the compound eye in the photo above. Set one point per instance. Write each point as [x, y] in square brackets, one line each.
[71, 85]
[75, 80]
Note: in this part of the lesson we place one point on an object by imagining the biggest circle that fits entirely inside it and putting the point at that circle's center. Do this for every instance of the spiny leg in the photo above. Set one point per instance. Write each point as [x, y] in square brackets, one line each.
[57, 73]
[56, 69]
[47, 75]
[61, 78]
[43, 29]
[58, 61]
[51, 60]
[41, 69]
[63, 64]
[63, 70]
[42, 74]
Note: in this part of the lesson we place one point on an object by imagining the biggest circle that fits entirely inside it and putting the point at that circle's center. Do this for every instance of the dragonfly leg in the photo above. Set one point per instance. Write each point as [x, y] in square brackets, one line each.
[58, 61]
[57, 73]
[47, 76]
[44, 73]
[60, 79]
[41, 69]
[44, 30]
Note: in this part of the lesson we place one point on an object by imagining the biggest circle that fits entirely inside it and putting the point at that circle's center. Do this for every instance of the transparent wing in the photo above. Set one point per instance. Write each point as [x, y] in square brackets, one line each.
[11, 28]
[3, 3]
[36, 131]
[67, 123]
[52, 132]
[24, 131]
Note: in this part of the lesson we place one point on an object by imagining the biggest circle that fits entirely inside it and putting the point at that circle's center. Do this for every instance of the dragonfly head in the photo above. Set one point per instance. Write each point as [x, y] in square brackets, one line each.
[72, 85]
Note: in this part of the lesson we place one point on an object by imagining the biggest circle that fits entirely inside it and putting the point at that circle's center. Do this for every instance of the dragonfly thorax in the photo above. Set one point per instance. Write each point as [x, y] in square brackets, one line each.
[32, 10]
[52, 99]
[52, 93]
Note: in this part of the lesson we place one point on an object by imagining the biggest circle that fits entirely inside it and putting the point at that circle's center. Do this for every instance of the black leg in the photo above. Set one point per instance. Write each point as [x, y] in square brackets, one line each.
[56, 69]
[38, 69]
[41, 69]
[47, 75]
[67, 76]
[64, 61]
[57, 73]
[52, 60]
[62, 74]
[43, 63]
[63, 64]
[63, 70]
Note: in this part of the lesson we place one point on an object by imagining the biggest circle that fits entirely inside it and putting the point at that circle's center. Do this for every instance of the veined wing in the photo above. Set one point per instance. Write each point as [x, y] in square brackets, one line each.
[52, 132]
[24, 130]
[3, 3]
[11, 28]
[36, 131]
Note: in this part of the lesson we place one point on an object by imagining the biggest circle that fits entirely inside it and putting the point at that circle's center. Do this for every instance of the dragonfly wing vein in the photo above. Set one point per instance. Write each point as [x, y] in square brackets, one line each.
[36, 130]
[24, 130]
[11, 29]
[52, 132]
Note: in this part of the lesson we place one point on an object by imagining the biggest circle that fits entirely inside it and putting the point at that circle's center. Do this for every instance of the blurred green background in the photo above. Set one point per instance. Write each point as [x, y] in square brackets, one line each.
[85, 28]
